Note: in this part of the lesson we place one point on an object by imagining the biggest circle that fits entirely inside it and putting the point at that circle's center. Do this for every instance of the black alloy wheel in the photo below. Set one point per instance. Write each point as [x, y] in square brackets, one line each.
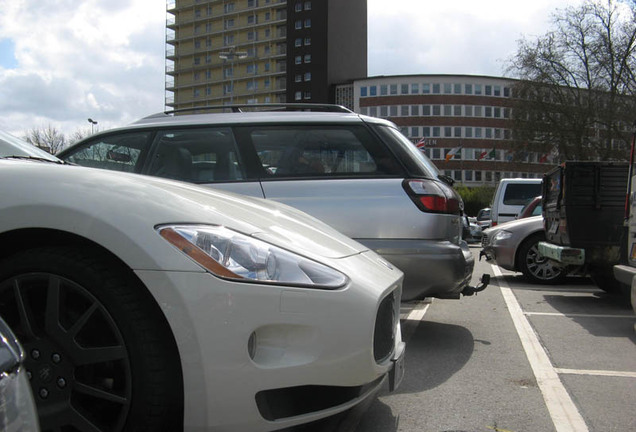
[95, 356]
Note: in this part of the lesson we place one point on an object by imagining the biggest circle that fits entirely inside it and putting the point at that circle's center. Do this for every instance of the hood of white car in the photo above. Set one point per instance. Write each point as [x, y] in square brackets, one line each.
[77, 199]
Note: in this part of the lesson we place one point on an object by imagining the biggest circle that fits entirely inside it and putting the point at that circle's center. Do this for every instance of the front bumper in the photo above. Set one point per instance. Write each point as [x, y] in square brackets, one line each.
[624, 273]
[431, 268]
[501, 252]
[265, 357]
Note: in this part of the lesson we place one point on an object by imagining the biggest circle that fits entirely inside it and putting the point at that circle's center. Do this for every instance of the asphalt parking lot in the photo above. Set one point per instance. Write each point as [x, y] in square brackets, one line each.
[516, 357]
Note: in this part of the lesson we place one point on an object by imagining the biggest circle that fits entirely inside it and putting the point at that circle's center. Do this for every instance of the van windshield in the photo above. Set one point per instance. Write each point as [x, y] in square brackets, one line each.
[520, 193]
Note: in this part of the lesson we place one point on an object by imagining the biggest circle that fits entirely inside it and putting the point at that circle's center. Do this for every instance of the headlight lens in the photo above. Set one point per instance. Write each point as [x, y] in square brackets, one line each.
[231, 255]
[502, 235]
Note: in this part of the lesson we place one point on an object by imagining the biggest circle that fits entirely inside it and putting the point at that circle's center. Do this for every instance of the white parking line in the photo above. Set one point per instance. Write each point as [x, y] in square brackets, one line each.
[413, 319]
[565, 416]
[579, 315]
[596, 372]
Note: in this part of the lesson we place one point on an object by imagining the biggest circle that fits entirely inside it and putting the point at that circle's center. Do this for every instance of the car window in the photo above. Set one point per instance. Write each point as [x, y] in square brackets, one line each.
[416, 161]
[322, 151]
[113, 152]
[483, 215]
[520, 193]
[537, 210]
[197, 155]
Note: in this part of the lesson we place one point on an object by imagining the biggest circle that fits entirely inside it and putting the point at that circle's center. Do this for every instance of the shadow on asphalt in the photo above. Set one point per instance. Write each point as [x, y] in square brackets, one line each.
[436, 351]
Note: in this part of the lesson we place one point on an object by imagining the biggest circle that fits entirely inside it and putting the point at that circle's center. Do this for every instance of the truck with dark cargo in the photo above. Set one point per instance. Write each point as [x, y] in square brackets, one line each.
[583, 216]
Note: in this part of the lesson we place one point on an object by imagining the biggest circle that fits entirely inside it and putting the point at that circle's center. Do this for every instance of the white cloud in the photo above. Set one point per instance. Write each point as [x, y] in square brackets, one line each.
[104, 59]
[96, 58]
[454, 37]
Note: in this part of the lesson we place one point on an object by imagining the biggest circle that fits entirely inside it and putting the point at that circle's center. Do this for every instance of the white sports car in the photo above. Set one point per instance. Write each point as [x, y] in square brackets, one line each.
[145, 303]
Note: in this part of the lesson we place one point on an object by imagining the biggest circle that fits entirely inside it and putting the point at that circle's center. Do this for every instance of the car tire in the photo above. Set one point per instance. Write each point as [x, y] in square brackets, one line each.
[536, 269]
[99, 353]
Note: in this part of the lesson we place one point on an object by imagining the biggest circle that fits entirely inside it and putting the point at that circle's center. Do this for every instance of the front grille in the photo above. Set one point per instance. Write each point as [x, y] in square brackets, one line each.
[384, 333]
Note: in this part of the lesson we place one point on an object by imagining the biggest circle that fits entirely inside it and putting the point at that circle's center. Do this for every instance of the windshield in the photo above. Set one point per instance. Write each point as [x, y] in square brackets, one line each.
[12, 146]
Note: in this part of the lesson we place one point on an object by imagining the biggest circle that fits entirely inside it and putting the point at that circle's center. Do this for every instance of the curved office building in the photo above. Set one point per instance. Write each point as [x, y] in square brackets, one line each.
[462, 122]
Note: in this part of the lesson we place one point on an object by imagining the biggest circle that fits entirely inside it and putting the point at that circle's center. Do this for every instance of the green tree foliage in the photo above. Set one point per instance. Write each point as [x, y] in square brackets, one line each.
[576, 94]
[475, 198]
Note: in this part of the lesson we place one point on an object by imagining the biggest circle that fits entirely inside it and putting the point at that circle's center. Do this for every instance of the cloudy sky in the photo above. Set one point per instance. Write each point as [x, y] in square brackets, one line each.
[63, 61]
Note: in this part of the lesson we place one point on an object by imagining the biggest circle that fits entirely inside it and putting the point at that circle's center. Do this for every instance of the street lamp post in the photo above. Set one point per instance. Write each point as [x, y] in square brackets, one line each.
[230, 55]
[93, 123]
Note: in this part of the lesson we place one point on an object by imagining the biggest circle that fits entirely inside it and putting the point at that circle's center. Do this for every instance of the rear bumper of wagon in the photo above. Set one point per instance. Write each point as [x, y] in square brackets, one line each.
[431, 268]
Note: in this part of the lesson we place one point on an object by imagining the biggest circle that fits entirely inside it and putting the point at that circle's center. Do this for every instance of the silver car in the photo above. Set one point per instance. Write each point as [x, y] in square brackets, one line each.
[17, 407]
[358, 174]
[513, 246]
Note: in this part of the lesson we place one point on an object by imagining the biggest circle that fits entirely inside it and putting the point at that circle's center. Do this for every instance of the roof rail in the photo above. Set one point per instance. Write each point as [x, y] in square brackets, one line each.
[261, 107]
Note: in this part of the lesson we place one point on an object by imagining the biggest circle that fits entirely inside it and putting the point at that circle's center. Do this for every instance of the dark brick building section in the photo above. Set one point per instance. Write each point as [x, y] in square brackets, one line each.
[337, 50]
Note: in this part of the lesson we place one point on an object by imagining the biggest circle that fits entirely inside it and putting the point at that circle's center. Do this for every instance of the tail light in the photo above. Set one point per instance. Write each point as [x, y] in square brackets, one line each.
[433, 197]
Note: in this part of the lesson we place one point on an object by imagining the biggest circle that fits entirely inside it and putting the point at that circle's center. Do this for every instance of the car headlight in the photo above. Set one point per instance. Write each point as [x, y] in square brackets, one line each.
[502, 235]
[231, 255]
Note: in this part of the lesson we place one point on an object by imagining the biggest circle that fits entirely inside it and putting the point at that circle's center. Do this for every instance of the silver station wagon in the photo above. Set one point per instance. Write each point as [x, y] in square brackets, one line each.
[358, 174]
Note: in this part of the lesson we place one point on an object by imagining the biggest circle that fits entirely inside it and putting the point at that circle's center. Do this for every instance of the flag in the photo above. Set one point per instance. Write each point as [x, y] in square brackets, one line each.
[487, 154]
[544, 158]
[509, 155]
[421, 143]
[452, 153]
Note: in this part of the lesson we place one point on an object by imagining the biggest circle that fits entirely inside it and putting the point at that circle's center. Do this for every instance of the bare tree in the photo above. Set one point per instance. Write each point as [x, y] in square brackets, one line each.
[576, 94]
[78, 135]
[47, 138]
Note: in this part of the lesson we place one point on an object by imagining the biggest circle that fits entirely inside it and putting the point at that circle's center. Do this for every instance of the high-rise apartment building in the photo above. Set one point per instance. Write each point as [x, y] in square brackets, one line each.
[262, 51]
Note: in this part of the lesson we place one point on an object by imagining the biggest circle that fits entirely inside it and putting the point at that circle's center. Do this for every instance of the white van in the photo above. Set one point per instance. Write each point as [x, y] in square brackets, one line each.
[510, 197]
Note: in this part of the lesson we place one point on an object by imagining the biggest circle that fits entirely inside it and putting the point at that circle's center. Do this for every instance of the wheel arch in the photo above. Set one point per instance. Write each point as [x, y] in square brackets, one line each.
[538, 233]
[23, 239]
